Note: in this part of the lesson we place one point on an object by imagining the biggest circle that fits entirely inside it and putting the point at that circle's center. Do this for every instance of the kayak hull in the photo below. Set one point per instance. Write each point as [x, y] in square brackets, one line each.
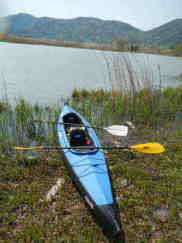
[100, 201]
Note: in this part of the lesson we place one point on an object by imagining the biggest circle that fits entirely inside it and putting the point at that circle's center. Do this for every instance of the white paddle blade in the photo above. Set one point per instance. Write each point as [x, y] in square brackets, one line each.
[117, 130]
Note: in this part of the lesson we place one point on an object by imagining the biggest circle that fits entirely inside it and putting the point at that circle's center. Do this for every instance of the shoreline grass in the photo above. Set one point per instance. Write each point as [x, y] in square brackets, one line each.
[146, 107]
[94, 46]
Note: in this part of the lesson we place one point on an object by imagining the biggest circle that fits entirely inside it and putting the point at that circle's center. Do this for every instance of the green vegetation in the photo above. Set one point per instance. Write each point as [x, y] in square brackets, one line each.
[120, 43]
[178, 50]
[146, 106]
[148, 187]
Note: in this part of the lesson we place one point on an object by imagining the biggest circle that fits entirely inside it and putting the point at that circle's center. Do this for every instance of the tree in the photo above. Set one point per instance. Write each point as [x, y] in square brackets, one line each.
[178, 49]
[120, 44]
[1, 35]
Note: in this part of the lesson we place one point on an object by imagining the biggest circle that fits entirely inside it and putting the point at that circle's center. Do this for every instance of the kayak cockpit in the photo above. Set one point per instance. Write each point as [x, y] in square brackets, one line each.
[77, 134]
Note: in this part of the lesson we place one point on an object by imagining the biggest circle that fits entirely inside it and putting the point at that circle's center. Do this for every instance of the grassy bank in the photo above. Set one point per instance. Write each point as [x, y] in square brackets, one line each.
[148, 190]
[148, 187]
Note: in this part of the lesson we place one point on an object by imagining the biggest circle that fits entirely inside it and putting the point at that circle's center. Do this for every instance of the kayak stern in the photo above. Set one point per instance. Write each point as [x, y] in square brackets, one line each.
[107, 216]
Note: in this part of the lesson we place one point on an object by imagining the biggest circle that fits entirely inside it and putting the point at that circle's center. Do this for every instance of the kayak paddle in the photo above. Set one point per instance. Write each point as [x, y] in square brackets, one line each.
[148, 148]
[116, 130]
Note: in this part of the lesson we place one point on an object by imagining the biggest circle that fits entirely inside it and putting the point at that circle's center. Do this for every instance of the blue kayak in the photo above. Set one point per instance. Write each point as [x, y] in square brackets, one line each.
[88, 169]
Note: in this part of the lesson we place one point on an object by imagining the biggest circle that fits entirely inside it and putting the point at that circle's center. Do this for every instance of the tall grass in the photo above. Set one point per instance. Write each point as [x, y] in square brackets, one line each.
[27, 124]
[146, 106]
[22, 123]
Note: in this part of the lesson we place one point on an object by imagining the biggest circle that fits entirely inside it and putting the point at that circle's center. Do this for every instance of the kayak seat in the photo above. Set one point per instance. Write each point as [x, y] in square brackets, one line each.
[71, 120]
[78, 137]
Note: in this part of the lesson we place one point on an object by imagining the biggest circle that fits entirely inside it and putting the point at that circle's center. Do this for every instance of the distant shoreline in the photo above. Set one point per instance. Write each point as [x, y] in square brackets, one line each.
[94, 46]
[31, 41]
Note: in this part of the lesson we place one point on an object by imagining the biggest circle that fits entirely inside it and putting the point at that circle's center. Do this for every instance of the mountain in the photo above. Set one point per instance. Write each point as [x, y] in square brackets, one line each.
[77, 30]
[167, 34]
[84, 29]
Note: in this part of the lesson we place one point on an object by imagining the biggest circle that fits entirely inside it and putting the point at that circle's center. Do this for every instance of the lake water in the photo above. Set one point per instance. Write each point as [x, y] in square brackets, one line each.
[46, 74]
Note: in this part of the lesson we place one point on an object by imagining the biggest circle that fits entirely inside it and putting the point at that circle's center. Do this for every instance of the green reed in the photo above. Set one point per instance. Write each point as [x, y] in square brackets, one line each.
[146, 106]
[22, 123]
[27, 124]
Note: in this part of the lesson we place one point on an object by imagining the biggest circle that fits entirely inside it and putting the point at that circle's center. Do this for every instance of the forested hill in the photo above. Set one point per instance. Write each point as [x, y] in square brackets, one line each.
[91, 30]
[167, 34]
[77, 30]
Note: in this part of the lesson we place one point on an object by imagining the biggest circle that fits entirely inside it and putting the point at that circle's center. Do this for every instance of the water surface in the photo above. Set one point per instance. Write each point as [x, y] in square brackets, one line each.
[46, 74]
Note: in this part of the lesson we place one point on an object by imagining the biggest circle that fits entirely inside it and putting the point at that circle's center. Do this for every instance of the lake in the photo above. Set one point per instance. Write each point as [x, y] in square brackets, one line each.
[46, 74]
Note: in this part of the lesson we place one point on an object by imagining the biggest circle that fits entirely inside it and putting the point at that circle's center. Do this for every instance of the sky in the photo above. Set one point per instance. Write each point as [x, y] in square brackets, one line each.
[142, 14]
